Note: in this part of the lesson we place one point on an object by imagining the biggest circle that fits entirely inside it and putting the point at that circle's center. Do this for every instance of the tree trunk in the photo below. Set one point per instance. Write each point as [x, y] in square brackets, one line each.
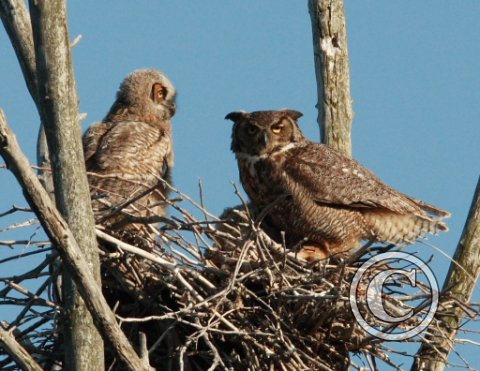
[459, 285]
[57, 99]
[330, 50]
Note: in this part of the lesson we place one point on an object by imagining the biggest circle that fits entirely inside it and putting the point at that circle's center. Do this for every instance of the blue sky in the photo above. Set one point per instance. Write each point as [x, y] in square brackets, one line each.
[414, 78]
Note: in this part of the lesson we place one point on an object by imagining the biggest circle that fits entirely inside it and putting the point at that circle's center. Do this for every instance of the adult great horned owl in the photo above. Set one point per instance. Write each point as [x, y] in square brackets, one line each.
[130, 152]
[317, 195]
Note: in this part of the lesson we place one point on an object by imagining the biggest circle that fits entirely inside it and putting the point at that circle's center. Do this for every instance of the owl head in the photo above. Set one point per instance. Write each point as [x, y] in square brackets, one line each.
[264, 132]
[146, 94]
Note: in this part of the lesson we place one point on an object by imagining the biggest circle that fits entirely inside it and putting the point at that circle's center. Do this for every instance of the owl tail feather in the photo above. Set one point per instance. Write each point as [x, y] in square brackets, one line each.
[398, 229]
[430, 209]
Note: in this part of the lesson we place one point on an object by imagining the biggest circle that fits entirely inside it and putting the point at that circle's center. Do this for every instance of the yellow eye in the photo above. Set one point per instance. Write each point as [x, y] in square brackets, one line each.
[158, 93]
[251, 129]
[276, 129]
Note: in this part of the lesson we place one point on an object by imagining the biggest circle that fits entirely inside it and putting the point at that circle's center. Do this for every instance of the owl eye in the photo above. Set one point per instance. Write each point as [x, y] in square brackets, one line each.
[251, 129]
[158, 93]
[276, 129]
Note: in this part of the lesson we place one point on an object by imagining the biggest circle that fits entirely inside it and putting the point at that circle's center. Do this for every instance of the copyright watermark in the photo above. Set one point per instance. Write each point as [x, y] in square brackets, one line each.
[394, 296]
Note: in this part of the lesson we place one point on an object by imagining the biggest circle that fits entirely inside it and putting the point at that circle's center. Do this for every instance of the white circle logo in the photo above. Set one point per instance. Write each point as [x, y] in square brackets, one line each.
[368, 292]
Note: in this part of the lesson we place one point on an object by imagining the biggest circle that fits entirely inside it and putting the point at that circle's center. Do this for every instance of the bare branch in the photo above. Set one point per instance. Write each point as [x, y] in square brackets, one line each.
[16, 21]
[459, 285]
[17, 352]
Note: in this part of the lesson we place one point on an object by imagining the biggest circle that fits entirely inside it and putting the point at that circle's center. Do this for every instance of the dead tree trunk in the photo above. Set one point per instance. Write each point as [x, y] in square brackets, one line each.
[332, 69]
[57, 98]
[59, 111]
[459, 285]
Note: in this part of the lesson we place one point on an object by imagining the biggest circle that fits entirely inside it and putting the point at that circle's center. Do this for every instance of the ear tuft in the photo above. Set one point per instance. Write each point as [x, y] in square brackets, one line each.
[236, 116]
[293, 114]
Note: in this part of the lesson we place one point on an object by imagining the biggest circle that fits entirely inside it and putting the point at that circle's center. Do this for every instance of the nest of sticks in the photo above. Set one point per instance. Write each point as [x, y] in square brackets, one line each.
[217, 293]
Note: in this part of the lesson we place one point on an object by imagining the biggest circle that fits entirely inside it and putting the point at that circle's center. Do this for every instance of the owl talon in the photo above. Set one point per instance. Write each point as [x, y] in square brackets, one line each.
[310, 254]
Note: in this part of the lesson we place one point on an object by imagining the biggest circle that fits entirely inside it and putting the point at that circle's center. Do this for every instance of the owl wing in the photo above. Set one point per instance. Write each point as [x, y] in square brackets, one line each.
[91, 138]
[329, 177]
[133, 147]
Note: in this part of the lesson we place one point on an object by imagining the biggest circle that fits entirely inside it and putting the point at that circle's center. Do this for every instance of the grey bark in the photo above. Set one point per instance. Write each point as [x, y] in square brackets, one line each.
[43, 161]
[73, 257]
[332, 70]
[57, 100]
[17, 352]
[459, 285]
[16, 21]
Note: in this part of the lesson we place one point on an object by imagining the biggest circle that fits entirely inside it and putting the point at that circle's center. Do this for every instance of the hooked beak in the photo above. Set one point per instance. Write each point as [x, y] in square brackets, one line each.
[263, 140]
[172, 108]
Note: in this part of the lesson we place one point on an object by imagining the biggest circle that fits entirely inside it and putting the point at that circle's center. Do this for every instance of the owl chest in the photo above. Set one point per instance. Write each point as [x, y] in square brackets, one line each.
[138, 156]
[155, 161]
[261, 181]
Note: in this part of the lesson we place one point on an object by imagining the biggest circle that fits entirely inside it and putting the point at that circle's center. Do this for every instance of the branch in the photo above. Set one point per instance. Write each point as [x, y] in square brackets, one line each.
[17, 352]
[459, 285]
[333, 75]
[61, 236]
[16, 21]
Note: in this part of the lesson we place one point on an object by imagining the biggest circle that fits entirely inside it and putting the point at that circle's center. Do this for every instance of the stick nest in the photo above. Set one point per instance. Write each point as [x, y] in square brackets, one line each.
[220, 293]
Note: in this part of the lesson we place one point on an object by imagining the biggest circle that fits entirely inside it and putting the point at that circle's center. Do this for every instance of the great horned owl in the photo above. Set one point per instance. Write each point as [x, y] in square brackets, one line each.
[317, 195]
[130, 153]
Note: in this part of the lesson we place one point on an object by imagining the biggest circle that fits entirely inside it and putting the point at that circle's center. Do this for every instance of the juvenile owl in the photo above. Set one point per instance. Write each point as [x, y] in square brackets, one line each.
[130, 152]
[319, 197]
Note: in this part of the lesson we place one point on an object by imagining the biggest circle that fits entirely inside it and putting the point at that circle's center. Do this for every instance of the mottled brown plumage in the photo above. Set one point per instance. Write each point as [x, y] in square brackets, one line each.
[131, 151]
[318, 195]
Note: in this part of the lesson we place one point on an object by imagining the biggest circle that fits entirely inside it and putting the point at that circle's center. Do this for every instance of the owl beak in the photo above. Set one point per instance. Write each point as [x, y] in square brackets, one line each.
[264, 140]
[172, 108]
